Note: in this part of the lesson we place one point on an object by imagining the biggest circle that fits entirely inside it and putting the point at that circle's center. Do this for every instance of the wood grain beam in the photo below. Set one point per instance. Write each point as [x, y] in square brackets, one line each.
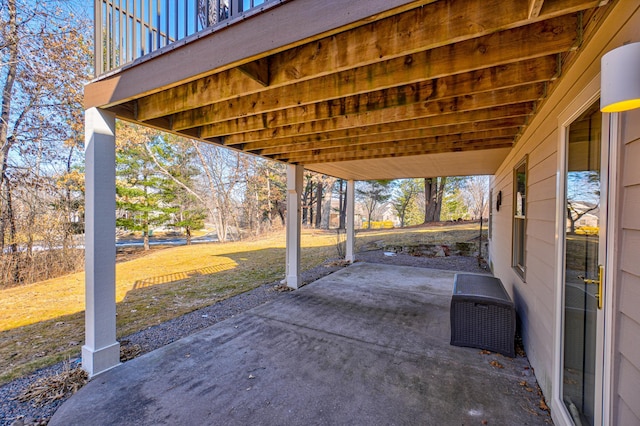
[477, 101]
[464, 132]
[393, 144]
[431, 26]
[534, 8]
[426, 148]
[502, 76]
[425, 125]
[531, 41]
[258, 70]
[220, 48]
[434, 25]
[514, 110]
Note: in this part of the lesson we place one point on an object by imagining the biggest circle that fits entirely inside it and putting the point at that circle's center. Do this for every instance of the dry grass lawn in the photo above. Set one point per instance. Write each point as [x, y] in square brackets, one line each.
[43, 323]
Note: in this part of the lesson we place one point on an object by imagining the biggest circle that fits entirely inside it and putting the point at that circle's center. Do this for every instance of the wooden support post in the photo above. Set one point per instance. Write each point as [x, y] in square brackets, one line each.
[294, 224]
[351, 230]
[101, 351]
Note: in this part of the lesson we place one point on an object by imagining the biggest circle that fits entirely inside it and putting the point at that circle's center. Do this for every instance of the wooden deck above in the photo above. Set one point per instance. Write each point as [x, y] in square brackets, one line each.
[362, 90]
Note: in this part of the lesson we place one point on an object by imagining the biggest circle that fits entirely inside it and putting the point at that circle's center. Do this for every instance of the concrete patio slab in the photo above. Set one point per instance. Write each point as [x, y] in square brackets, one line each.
[366, 345]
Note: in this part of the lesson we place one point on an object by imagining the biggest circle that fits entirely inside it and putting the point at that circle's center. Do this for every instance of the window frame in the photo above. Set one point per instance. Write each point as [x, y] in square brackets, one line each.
[519, 224]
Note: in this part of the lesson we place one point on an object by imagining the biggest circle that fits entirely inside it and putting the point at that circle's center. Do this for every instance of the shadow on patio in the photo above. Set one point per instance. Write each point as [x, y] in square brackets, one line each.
[366, 345]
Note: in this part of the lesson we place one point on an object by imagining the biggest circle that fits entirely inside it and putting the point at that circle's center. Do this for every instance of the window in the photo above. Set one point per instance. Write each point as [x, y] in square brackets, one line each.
[519, 216]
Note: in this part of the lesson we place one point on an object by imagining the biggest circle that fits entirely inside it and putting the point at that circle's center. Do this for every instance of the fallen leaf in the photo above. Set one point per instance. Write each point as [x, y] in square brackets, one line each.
[543, 405]
[523, 383]
[496, 364]
[484, 422]
[485, 352]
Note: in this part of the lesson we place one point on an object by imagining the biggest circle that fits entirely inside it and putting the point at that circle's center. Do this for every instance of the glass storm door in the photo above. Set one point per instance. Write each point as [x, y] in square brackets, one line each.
[583, 275]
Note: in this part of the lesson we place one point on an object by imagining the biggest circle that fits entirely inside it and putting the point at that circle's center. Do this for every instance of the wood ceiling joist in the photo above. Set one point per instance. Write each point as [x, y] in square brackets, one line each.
[478, 101]
[502, 76]
[384, 132]
[405, 135]
[514, 110]
[397, 144]
[432, 148]
[531, 41]
[258, 70]
[434, 25]
[535, 6]
[367, 144]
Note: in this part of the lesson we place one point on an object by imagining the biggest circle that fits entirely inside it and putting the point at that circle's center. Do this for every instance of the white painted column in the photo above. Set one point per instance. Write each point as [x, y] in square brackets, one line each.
[350, 222]
[294, 223]
[101, 350]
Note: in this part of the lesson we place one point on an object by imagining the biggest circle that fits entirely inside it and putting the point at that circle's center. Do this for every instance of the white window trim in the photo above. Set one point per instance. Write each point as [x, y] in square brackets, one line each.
[520, 271]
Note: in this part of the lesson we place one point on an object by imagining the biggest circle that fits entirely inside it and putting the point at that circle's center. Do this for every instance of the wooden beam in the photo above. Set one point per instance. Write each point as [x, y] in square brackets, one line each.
[392, 145]
[434, 25]
[297, 22]
[478, 101]
[257, 70]
[426, 148]
[430, 26]
[252, 125]
[531, 41]
[534, 8]
[406, 135]
[390, 130]
[502, 76]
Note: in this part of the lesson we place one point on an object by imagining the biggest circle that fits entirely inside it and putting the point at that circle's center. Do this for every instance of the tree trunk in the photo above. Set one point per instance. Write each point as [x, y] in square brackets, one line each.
[5, 113]
[318, 205]
[13, 243]
[440, 194]
[145, 237]
[308, 204]
[342, 205]
[326, 204]
[269, 206]
[7, 90]
[433, 193]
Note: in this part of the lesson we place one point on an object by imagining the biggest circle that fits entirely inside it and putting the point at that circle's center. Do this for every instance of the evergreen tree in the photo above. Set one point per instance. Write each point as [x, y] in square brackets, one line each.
[175, 159]
[141, 196]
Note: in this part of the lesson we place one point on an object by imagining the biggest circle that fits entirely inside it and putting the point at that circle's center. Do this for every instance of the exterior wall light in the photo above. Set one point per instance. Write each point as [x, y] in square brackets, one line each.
[620, 79]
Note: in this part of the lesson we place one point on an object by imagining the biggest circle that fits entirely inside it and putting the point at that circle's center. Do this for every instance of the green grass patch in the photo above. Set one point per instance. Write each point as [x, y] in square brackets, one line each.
[43, 323]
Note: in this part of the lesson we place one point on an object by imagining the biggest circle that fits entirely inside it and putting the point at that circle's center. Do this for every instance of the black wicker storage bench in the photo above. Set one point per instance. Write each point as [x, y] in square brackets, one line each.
[482, 314]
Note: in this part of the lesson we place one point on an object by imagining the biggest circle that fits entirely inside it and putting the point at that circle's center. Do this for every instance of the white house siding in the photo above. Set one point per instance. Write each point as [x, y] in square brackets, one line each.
[626, 383]
[535, 296]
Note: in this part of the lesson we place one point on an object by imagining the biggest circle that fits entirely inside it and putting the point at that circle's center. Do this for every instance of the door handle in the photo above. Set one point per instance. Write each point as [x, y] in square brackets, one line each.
[597, 282]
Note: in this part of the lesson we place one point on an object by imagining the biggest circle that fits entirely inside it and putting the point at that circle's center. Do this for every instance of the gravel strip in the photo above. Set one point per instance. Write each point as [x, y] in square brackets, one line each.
[15, 413]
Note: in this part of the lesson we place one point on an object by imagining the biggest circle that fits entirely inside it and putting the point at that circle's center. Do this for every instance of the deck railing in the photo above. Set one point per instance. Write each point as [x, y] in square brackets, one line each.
[126, 30]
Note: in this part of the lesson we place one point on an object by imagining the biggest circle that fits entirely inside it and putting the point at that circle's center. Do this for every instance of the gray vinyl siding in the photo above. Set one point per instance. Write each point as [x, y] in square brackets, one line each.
[535, 297]
[626, 383]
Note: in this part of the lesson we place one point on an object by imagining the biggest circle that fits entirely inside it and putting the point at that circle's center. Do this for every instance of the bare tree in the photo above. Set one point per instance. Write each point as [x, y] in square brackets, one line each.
[475, 192]
[44, 63]
[223, 170]
[407, 191]
[372, 194]
[433, 191]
